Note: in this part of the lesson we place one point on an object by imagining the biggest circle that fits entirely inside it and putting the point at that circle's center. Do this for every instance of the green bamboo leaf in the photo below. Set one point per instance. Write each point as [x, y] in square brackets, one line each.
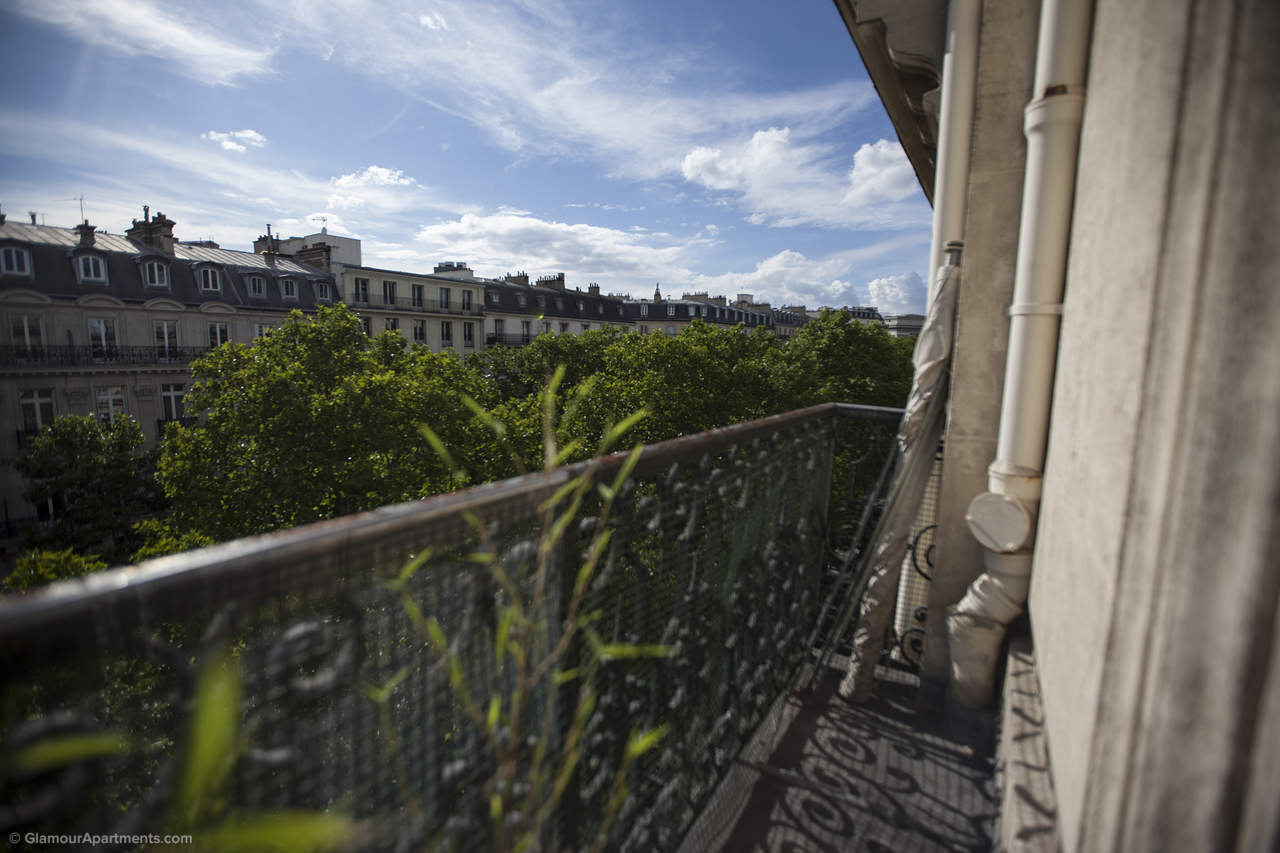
[438, 446]
[640, 743]
[436, 635]
[61, 750]
[628, 651]
[564, 676]
[283, 831]
[409, 570]
[566, 451]
[495, 712]
[502, 634]
[381, 694]
[211, 735]
[622, 427]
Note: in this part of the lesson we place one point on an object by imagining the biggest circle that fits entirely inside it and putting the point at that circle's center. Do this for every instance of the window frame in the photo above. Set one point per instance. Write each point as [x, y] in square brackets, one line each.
[34, 398]
[420, 331]
[168, 348]
[361, 294]
[445, 298]
[24, 346]
[98, 273]
[418, 295]
[446, 333]
[221, 330]
[321, 288]
[469, 334]
[210, 279]
[9, 255]
[103, 393]
[103, 348]
[149, 268]
[286, 286]
[466, 300]
[388, 291]
[171, 397]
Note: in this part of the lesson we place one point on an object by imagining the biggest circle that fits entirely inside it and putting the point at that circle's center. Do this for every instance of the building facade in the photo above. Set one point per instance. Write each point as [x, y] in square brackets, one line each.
[440, 311]
[106, 324]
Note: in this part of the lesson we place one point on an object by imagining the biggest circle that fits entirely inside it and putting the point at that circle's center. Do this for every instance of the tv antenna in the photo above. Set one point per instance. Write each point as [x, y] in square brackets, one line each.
[80, 198]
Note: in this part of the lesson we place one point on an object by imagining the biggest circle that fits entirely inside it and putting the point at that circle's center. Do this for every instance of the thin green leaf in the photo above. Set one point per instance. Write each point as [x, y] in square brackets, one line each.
[284, 831]
[640, 743]
[495, 712]
[629, 651]
[381, 694]
[59, 751]
[211, 735]
[622, 427]
[438, 446]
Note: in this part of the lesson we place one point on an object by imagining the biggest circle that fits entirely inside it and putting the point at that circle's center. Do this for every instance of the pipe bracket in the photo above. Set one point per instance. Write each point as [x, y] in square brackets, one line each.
[1023, 308]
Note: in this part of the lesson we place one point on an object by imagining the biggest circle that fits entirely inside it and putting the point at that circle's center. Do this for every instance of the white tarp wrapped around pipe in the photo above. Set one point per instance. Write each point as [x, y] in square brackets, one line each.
[918, 437]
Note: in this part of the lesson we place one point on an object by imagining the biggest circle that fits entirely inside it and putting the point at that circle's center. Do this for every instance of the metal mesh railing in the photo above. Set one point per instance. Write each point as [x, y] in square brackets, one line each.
[342, 711]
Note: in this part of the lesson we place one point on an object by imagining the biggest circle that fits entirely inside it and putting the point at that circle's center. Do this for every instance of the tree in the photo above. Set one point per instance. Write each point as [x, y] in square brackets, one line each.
[98, 479]
[313, 421]
[838, 359]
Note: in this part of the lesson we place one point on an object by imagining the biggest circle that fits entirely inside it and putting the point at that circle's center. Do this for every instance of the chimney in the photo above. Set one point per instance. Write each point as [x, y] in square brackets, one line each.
[32, 214]
[267, 244]
[154, 231]
[521, 277]
[316, 255]
[555, 282]
[85, 230]
[593, 289]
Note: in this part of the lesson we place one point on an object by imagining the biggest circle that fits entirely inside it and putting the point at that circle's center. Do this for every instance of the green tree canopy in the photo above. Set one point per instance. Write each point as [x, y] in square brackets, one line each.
[98, 479]
[313, 421]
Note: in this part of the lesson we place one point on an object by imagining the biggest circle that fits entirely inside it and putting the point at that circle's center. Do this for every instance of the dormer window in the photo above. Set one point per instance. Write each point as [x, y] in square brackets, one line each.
[493, 297]
[600, 308]
[521, 300]
[155, 274]
[15, 261]
[559, 304]
[257, 286]
[91, 268]
[289, 289]
[644, 309]
[582, 307]
[210, 280]
[671, 310]
[322, 291]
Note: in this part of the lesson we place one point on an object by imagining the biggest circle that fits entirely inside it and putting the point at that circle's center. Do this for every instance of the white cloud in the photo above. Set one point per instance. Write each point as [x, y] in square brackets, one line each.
[881, 173]
[236, 140]
[147, 28]
[898, 294]
[782, 182]
[434, 21]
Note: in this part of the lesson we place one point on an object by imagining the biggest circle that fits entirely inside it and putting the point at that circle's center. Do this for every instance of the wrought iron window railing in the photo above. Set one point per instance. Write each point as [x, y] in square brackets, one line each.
[84, 356]
[508, 340]
[718, 550]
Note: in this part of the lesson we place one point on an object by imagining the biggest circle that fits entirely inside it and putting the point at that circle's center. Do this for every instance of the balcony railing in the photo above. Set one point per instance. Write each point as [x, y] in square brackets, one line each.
[496, 340]
[88, 356]
[708, 589]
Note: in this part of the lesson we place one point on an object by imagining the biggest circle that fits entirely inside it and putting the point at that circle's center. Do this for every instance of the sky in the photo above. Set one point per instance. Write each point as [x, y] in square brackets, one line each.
[727, 147]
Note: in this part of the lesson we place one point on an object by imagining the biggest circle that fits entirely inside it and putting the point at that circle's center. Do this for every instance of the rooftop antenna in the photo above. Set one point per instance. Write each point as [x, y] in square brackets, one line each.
[80, 198]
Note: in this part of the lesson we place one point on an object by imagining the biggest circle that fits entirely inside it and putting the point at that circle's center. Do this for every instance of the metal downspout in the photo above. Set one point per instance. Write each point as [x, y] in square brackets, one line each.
[1003, 518]
[955, 130]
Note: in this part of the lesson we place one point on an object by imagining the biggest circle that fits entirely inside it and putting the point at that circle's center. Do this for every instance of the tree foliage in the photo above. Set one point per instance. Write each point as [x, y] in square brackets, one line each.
[317, 419]
[41, 566]
[98, 478]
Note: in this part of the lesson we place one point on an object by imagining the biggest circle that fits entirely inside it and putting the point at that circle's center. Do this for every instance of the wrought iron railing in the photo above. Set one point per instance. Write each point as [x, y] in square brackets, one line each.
[64, 355]
[518, 340]
[708, 590]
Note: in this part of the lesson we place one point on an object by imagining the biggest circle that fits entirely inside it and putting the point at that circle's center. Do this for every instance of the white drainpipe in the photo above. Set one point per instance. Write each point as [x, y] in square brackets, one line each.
[1003, 518]
[955, 129]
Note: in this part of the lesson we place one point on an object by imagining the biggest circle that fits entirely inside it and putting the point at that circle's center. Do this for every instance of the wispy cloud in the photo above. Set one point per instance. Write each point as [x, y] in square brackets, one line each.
[235, 140]
[782, 182]
[143, 27]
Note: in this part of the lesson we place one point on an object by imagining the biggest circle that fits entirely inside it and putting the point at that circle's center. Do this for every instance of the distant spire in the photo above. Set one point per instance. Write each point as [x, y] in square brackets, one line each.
[657, 292]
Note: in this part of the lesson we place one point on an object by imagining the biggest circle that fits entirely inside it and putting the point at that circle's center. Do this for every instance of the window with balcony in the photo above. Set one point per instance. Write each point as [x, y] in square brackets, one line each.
[171, 401]
[419, 331]
[28, 334]
[165, 333]
[526, 330]
[499, 327]
[37, 409]
[109, 403]
[155, 274]
[210, 280]
[418, 294]
[289, 289]
[388, 293]
[468, 334]
[219, 334]
[466, 300]
[15, 261]
[257, 286]
[102, 336]
[361, 294]
[91, 268]
[444, 299]
[446, 333]
[322, 291]
[391, 324]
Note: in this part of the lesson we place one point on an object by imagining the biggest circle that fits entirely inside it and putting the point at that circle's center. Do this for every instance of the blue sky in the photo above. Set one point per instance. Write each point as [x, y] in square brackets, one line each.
[727, 147]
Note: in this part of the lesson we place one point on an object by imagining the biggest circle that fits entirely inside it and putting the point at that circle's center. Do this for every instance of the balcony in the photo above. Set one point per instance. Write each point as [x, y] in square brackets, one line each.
[92, 356]
[496, 340]
[368, 666]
